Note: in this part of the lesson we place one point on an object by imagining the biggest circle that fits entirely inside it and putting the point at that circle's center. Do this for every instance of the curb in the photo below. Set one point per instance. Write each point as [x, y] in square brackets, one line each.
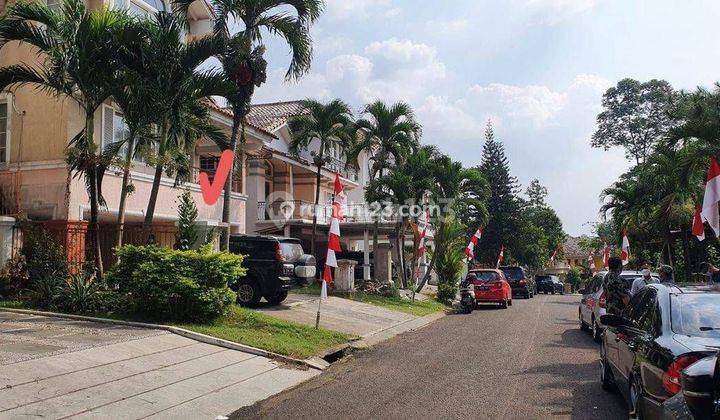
[314, 364]
[407, 326]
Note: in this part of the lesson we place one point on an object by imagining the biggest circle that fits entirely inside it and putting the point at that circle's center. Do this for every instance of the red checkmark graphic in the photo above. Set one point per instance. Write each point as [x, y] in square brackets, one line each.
[211, 192]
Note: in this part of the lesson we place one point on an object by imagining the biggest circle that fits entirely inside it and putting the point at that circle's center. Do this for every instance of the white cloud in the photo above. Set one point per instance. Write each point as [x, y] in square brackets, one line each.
[360, 9]
[448, 27]
[534, 103]
[552, 12]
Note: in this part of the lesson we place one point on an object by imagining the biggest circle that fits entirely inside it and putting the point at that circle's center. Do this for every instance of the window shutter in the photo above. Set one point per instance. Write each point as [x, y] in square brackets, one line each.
[108, 131]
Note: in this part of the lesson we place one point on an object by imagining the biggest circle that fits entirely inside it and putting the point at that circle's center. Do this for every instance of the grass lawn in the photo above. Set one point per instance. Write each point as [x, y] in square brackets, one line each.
[417, 308]
[255, 329]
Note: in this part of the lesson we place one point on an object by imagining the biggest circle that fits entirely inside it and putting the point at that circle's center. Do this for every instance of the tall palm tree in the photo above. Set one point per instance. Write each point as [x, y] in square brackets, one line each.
[330, 125]
[387, 135]
[242, 58]
[169, 69]
[78, 52]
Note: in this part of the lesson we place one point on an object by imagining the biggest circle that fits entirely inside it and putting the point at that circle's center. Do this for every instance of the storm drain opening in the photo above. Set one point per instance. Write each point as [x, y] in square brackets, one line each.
[334, 356]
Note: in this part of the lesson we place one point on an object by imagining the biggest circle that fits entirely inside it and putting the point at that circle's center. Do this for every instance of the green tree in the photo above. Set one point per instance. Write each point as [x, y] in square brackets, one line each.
[536, 193]
[80, 54]
[636, 116]
[330, 125]
[503, 204]
[187, 230]
[242, 55]
[574, 278]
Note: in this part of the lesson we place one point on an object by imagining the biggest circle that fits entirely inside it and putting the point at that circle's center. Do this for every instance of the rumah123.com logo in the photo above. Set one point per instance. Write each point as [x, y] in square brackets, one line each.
[211, 191]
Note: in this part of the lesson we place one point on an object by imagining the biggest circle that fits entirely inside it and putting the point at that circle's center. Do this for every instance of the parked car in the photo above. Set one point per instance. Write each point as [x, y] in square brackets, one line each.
[275, 265]
[592, 303]
[521, 283]
[491, 286]
[549, 284]
[664, 330]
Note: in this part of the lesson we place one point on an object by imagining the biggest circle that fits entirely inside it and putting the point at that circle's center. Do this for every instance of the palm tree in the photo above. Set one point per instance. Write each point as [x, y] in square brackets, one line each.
[79, 60]
[329, 125]
[242, 58]
[388, 135]
[169, 68]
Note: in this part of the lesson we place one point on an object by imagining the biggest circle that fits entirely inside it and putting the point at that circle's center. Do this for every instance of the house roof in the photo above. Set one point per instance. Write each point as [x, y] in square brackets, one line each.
[272, 116]
[571, 247]
[228, 113]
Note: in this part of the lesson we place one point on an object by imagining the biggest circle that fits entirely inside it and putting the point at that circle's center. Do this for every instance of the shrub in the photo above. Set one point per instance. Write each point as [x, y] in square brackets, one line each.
[44, 256]
[14, 277]
[187, 213]
[449, 267]
[81, 293]
[179, 285]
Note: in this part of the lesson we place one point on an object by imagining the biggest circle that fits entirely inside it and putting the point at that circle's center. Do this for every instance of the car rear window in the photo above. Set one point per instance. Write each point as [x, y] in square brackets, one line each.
[696, 314]
[291, 251]
[486, 275]
[513, 273]
[542, 279]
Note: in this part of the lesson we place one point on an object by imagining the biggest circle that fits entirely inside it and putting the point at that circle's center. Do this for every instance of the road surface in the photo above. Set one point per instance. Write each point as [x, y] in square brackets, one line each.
[528, 361]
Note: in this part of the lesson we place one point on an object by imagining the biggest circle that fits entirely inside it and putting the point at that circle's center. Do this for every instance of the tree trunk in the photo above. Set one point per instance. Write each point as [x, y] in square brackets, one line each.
[93, 196]
[401, 271]
[150, 213]
[238, 119]
[123, 191]
[376, 225]
[401, 255]
[317, 200]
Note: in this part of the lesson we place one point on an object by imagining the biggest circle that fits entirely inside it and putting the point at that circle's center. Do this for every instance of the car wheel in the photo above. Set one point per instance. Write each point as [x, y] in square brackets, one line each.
[553, 292]
[606, 380]
[504, 304]
[636, 393]
[248, 292]
[278, 298]
[583, 325]
[596, 331]
[510, 302]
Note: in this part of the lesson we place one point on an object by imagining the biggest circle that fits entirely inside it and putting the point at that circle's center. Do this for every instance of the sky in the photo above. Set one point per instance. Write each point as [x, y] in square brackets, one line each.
[536, 68]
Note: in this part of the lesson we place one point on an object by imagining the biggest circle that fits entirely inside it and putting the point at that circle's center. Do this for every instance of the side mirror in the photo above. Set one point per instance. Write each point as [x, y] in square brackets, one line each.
[611, 320]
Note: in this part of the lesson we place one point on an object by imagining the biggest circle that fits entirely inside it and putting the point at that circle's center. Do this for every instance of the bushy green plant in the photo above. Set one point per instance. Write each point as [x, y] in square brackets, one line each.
[44, 291]
[14, 277]
[45, 258]
[81, 293]
[574, 278]
[448, 267]
[187, 231]
[171, 284]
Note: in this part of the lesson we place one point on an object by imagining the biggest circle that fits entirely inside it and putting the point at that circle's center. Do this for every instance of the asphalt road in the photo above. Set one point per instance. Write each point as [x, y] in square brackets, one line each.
[530, 360]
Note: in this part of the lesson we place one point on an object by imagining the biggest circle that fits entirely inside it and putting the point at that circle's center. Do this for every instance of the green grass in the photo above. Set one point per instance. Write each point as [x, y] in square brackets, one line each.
[252, 328]
[417, 308]
[265, 332]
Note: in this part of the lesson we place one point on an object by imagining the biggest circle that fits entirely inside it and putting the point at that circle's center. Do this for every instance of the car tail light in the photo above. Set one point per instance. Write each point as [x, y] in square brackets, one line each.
[602, 302]
[496, 285]
[278, 253]
[671, 376]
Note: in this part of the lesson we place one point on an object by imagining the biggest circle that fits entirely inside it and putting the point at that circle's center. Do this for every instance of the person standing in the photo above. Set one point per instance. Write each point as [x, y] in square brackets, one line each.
[641, 282]
[617, 293]
[666, 274]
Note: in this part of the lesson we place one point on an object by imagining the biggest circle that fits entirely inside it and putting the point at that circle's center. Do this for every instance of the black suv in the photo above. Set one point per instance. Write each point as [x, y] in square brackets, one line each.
[275, 265]
[549, 284]
[521, 283]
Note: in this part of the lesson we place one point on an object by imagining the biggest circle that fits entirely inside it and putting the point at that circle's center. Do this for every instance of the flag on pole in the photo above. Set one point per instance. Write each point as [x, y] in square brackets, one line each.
[423, 223]
[470, 249]
[606, 255]
[501, 257]
[339, 202]
[591, 262]
[710, 210]
[552, 257]
[625, 255]
[698, 228]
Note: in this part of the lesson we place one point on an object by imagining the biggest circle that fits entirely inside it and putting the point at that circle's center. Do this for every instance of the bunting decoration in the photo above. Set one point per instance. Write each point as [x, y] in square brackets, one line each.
[470, 249]
[338, 205]
[606, 254]
[710, 209]
[625, 254]
[501, 257]
[698, 228]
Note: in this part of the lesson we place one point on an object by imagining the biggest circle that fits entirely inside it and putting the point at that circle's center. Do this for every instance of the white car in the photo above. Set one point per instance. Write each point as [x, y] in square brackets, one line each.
[592, 304]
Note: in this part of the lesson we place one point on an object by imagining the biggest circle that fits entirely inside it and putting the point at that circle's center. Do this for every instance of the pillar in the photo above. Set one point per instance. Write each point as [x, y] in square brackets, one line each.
[255, 192]
[366, 256]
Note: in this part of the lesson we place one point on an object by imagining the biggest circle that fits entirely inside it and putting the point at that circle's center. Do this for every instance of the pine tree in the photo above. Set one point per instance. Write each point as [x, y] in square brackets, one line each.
[187, 213]
[503, 204]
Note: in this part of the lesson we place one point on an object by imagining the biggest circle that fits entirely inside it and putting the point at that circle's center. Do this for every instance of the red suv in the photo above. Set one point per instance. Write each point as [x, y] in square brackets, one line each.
[491, 286]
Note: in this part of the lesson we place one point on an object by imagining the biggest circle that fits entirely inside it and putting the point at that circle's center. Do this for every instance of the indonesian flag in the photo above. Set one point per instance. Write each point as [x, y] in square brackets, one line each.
[470, 249]
[501, 257]
[710, 210]
[698, 228]
[333, 236]
[591, 262]
[625, 255]
[606, 255]
[552, 257]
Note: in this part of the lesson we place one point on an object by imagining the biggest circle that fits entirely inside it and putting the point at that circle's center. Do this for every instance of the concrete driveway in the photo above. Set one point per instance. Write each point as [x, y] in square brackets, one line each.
[59, 368]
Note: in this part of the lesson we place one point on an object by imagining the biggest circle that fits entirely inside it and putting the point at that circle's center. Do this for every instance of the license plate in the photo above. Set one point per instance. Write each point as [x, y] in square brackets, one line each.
[483, 288]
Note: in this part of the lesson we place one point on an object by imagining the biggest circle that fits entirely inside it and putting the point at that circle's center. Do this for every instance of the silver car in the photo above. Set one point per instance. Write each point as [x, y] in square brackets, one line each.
[592, 304]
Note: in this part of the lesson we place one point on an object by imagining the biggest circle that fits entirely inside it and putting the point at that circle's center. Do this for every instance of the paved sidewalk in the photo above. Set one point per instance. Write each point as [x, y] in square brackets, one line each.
[57, 368]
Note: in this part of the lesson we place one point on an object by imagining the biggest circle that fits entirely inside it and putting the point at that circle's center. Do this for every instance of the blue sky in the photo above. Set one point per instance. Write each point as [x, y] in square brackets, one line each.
[536, 68]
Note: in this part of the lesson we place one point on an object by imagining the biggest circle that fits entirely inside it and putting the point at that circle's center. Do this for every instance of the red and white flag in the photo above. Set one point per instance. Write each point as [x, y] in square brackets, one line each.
[470, 249]
[698, 228]
[591, 262]
[606, 255]
[333, 236]
[625, 255]
[710, 210]
[501, 257]
[423, 222]
[552, 257]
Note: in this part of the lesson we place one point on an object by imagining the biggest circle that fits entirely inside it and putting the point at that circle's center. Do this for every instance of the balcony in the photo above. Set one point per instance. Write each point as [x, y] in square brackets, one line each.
[334, 165]
[303, 210]
[236, 184]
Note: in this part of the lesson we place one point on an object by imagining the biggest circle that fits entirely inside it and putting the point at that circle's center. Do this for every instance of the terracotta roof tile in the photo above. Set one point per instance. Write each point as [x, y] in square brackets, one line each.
[272, 116]
[228, 112]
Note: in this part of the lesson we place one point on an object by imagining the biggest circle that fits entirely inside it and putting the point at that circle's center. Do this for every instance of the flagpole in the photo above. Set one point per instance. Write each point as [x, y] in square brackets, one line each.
[317, 317]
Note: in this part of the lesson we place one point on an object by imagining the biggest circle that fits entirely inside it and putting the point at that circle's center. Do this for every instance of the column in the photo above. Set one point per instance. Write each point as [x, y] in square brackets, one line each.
[366, 256]
[255, 192]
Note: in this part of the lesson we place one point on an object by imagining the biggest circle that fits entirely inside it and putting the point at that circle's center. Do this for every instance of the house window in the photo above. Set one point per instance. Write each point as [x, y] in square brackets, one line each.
[115, 129]
[4, 132]
[141, 8]
[208, 164]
